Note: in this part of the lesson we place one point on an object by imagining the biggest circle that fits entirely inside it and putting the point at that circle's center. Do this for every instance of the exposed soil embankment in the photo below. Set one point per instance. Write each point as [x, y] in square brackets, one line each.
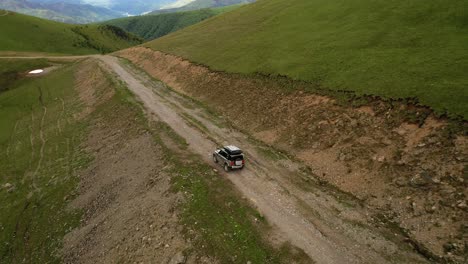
[411, 173]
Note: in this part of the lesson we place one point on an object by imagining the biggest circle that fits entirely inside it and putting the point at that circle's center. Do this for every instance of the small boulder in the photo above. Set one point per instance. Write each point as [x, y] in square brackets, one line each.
[401, 181]
[430, 208]
[450, 247]
[462, 205]
[436, 180]
[178, 258]
[418, 181]
[8, 187]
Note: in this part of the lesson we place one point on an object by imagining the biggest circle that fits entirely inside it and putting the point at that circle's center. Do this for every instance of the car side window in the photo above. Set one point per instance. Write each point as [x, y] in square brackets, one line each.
[223, 153]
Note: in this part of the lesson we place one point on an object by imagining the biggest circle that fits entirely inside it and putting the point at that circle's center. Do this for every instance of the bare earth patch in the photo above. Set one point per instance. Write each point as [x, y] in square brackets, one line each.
[87, 78]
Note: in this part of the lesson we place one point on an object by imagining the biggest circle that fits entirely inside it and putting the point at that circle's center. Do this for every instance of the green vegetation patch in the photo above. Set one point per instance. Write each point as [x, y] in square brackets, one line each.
[393, 49]
[39, 143]
[105, 38]
[30, 34]
[151, 27]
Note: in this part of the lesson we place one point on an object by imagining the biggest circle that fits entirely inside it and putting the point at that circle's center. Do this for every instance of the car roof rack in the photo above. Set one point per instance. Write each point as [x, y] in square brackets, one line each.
[233, 149]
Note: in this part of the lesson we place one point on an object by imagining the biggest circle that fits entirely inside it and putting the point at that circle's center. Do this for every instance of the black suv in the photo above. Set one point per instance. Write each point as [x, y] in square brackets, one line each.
[231, 157]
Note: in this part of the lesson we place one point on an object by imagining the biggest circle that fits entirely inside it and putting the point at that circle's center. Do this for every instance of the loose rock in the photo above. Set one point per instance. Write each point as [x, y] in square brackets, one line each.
[401, 181]
[462, 205]
[418, 181]
[178, 258]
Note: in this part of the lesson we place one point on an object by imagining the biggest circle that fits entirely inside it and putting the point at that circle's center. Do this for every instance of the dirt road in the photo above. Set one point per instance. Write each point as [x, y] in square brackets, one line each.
[327, 225]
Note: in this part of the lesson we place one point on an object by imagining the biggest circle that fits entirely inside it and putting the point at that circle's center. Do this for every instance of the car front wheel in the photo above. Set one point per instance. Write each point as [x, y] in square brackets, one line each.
[215, 159]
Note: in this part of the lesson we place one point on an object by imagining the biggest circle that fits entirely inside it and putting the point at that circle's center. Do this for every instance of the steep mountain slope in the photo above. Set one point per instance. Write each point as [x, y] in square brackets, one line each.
[200, 4]
[61, 11]
[30, 34]
[395, 49]
[154, 26]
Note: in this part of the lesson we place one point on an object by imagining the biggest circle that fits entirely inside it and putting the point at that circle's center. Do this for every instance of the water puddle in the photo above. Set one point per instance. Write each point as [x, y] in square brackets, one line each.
[38, 71]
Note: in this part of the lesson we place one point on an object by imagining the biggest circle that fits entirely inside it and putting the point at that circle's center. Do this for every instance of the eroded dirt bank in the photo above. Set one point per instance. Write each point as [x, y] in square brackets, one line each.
[413, 174]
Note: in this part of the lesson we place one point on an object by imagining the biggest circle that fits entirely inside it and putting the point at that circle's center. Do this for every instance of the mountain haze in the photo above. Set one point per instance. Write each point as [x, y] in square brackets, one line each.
[82, 11]
[200, 4]
[133, 7]
[61, 11]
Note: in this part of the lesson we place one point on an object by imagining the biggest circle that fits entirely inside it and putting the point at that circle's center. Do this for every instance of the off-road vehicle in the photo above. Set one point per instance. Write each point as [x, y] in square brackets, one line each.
[230, 157]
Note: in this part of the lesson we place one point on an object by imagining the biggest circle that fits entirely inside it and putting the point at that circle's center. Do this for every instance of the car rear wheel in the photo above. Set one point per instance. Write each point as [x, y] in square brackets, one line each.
[215, 159]
[226, 168]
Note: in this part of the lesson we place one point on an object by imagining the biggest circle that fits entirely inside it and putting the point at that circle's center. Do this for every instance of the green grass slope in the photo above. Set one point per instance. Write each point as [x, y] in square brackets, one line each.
[34, 187]
[151, 27]
[395, 49]
[30, 34]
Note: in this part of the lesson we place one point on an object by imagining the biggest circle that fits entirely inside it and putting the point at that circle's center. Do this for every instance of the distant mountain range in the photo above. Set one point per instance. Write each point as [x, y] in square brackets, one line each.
[90, 11]
[61, 11]
[130, 7]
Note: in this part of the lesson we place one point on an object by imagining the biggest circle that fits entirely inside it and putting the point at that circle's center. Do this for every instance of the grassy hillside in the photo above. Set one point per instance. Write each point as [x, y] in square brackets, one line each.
[25, 33]
[39, 142]
[395, 49]
[151, 27]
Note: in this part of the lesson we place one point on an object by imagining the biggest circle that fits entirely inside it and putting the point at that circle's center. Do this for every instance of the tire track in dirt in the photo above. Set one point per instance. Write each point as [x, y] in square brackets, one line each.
[59, 127]
[11, 139]
[31, 138]
[41, 151]
[261, 184]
